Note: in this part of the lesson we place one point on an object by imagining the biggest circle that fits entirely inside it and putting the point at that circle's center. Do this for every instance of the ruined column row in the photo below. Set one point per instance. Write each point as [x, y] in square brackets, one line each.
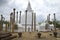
[48, 20]
[14, 19]
[33, 25]
[33, 22]
[2, 21]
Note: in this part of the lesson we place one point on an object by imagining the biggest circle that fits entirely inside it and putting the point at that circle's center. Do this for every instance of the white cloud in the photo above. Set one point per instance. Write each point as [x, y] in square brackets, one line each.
[53, 1]
[41, 7]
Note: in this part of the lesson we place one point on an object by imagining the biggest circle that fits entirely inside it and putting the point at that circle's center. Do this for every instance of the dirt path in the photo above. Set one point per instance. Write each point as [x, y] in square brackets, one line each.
[33, 36]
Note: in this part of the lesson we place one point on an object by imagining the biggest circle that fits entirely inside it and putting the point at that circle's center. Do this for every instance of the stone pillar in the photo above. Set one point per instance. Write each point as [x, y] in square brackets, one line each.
[54, 22]
[17, 17]
[48, 18]
[26, 21]
[14, 14]
[34, 21]
[28, 29]
[6, 27]
[0, 26]
[1, 23]
[20, 17]
[12, 22]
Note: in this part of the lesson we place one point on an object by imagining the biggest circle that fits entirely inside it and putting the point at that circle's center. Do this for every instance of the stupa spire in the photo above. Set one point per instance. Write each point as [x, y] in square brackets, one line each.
[29, 7]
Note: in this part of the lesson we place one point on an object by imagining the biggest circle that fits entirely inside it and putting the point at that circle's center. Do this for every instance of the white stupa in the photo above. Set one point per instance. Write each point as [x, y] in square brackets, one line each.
[41, 27]
[29, 18]
[29, 15]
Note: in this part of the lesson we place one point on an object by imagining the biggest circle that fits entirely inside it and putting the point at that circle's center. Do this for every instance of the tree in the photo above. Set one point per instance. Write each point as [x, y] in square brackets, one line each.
[50, 22]
[15, 26]
[7, 25]
[57, 24]
[39, 23]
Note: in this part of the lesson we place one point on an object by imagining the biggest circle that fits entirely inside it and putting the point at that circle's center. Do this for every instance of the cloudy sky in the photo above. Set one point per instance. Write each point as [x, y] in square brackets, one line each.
[41, 7]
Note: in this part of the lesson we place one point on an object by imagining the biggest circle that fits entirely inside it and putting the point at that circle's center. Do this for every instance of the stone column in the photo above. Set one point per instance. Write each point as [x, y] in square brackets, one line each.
[6, 27]
[28, 29]
[34, 21]
[1, 23]
[26, 21]
[0, 26]
[14, 14]
[12, 22]
[48, 18]
[17, 17]
[20, 17]
[54, 22]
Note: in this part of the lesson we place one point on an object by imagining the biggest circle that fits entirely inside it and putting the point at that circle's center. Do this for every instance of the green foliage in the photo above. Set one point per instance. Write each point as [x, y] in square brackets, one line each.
[57, 23]
[6, 22]
[15, 26]
[39, 23]
[50, 22]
